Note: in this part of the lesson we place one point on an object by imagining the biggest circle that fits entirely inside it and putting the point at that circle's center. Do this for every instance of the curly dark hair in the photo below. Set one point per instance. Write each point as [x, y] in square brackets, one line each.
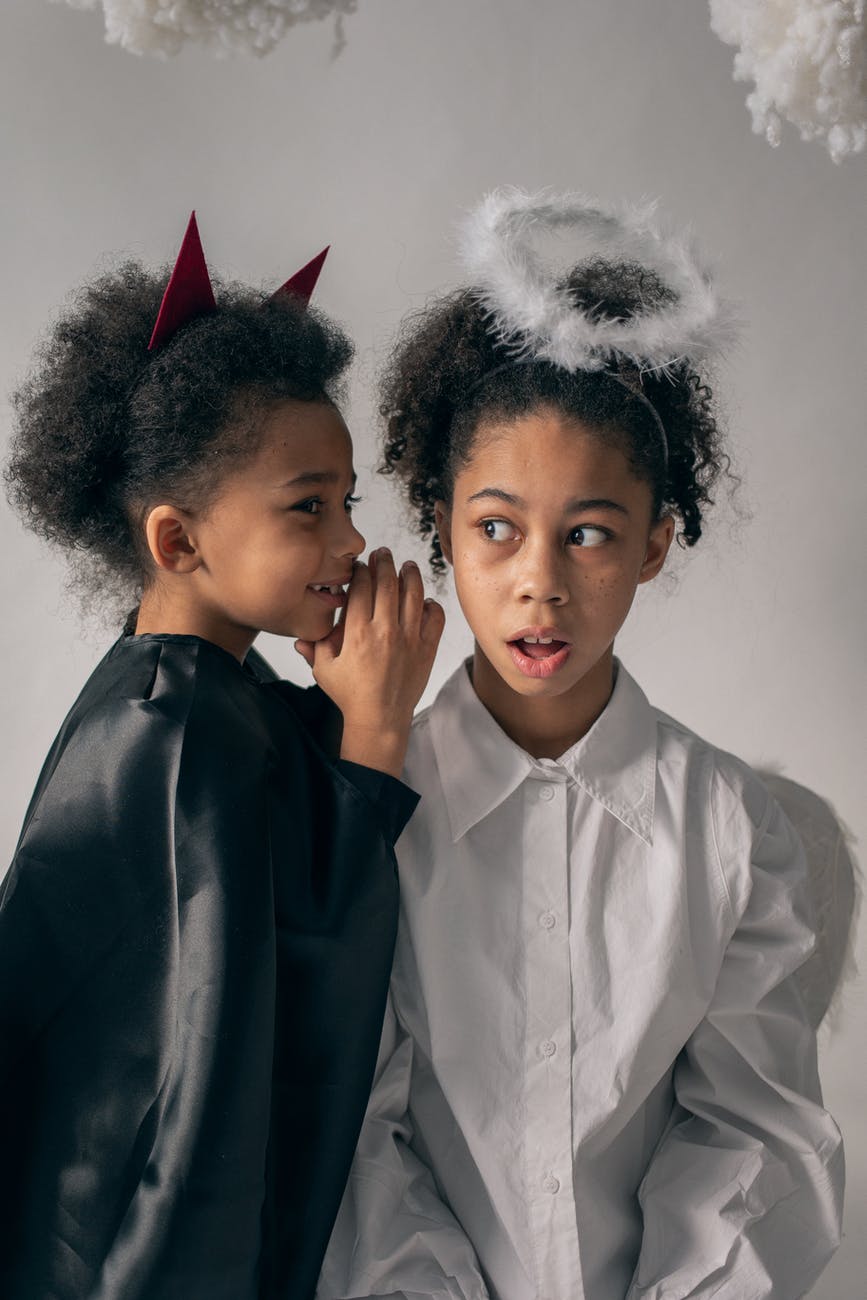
[449, 374]
[104, 430]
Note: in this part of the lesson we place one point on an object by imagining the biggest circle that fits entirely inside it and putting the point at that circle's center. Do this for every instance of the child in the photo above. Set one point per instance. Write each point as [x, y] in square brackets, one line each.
[598, 1079]
[196, 933]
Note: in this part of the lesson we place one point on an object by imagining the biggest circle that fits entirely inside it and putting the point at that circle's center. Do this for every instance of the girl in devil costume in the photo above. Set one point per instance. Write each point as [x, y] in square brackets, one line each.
[197, 929]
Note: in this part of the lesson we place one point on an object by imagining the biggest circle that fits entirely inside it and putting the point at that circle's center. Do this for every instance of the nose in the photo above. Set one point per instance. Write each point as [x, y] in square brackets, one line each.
[541, 577]
[350, 541]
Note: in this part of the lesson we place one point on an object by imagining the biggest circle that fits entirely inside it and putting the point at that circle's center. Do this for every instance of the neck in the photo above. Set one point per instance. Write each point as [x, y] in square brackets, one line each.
[162, 612]
[545, 726]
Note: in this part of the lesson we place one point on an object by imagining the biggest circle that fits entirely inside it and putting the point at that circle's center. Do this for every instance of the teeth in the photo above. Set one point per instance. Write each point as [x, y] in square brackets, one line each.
[538, 640]
[321, 586]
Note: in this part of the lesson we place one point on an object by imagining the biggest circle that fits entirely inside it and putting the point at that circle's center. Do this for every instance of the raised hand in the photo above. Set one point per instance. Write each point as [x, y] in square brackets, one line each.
[376, 662]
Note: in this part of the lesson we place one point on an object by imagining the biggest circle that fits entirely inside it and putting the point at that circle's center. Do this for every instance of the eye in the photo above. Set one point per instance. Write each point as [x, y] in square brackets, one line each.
[498, 530]
[587, 535]
[309, 506]
[350, 502]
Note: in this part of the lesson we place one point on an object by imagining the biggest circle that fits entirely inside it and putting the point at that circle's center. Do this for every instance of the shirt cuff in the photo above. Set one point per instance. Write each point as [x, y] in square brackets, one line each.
[394, 801]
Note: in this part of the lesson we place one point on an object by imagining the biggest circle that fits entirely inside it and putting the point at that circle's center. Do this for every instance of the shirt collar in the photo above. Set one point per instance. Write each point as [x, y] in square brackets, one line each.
[479, 766]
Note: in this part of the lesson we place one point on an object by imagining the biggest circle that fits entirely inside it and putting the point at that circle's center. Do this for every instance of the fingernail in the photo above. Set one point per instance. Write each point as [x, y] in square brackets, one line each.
[408, 564]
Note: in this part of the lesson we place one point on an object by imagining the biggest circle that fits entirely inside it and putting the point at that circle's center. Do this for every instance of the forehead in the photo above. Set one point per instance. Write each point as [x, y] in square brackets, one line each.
[301, 437]
[546, 453]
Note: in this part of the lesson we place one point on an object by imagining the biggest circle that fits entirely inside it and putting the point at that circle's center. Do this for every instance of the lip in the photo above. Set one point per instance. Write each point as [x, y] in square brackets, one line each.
[537, 668]
[553, 632]
[327, 597]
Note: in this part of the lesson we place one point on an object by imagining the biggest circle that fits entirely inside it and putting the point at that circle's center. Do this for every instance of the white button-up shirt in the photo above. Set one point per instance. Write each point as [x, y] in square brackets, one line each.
[597, 1079]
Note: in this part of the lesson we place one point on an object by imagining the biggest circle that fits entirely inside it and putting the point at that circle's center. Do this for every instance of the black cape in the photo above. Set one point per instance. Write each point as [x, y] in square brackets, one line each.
[195, 942]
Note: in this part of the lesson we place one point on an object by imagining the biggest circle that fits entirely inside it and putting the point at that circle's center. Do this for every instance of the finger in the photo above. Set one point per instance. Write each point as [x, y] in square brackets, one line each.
[359, 597]
[411, 596]
[327, 650]
[306, 651]
[386, 595]
[433, 620]
[337, 633]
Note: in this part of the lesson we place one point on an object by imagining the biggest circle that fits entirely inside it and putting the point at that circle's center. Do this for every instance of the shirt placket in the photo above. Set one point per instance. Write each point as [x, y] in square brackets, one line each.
[547, 1048]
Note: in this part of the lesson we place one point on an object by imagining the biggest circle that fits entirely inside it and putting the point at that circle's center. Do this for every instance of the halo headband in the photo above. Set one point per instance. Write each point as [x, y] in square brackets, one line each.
[533, 312]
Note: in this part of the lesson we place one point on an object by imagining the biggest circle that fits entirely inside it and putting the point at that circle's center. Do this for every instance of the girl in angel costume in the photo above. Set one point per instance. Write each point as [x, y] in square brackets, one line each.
[197, 929]
[598, 1078]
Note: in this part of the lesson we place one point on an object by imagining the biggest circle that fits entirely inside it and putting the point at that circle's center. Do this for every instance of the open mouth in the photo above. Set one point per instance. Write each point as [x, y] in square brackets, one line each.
[538, 656]
[332, 594]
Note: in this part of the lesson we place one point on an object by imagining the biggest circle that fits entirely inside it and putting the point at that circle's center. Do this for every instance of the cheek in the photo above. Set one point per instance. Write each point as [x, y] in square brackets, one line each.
[302, 553]
[474, 578]
[611, 592]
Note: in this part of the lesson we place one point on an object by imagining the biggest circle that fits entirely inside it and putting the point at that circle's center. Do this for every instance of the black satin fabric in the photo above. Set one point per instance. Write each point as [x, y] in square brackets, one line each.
[195, 942]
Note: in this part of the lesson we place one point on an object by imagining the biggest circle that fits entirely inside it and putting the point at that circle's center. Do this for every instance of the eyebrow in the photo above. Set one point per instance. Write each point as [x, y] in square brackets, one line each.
[314, 477]
[572, 507]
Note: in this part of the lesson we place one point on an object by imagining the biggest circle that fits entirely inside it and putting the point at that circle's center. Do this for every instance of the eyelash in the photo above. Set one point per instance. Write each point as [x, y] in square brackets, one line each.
[484, 524]
[590, 528]
[305, 506]
[349, 504]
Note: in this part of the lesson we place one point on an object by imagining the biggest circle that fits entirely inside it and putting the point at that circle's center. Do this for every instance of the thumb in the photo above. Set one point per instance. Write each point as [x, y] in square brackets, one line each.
[324, 652]
[307, 651]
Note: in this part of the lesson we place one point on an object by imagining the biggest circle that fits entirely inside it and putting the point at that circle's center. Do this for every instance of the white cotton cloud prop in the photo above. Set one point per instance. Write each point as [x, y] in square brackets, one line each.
[162, 27]
[808, 59]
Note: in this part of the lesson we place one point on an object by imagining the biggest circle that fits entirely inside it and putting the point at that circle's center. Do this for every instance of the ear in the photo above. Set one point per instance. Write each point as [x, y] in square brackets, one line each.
[658, 542]
[169, 541]
[443, 520]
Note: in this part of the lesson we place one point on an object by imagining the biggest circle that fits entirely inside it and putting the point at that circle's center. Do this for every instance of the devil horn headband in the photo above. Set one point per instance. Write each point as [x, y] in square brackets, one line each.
[189, 293]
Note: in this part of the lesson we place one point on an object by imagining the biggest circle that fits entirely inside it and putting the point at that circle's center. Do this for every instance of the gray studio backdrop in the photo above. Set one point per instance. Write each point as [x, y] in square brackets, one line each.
[757, 640]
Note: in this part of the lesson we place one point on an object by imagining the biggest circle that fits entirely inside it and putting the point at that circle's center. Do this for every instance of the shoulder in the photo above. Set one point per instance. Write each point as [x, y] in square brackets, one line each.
[420, 768]
[729, 803]
[430, 822]
[729, 782]
[420, 732]
[151, 703]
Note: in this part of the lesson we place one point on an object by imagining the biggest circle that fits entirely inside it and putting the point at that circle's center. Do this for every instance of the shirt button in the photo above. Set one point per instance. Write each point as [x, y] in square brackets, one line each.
[547, 793]
[548, 1047]
[547, 920]
[550, 1184]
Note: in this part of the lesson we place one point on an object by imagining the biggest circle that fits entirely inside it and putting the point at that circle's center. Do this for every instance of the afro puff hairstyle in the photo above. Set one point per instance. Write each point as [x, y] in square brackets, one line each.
[449, 375]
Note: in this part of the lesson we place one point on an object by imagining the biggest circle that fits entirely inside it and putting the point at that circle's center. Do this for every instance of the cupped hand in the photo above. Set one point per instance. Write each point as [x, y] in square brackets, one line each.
[377, 659]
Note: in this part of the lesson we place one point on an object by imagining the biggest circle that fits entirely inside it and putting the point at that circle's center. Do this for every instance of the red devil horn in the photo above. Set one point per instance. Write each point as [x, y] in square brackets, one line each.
[188, 293]
[303, 282]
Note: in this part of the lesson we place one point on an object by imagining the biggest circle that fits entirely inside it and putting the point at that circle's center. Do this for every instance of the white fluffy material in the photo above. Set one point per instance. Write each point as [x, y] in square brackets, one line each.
[535, 316]
[162, 27]
[808, 59]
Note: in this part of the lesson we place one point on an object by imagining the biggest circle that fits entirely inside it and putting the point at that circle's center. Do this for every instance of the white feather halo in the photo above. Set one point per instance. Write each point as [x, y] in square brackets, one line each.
[535, 316]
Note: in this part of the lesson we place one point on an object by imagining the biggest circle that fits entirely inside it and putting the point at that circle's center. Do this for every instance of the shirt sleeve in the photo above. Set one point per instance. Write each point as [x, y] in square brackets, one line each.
[394, 1237]
[394, 802]
[743, 1197]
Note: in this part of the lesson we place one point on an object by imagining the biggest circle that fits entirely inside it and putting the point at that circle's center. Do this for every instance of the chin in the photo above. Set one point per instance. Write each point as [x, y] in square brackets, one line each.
[301, 629]
[317, 629]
